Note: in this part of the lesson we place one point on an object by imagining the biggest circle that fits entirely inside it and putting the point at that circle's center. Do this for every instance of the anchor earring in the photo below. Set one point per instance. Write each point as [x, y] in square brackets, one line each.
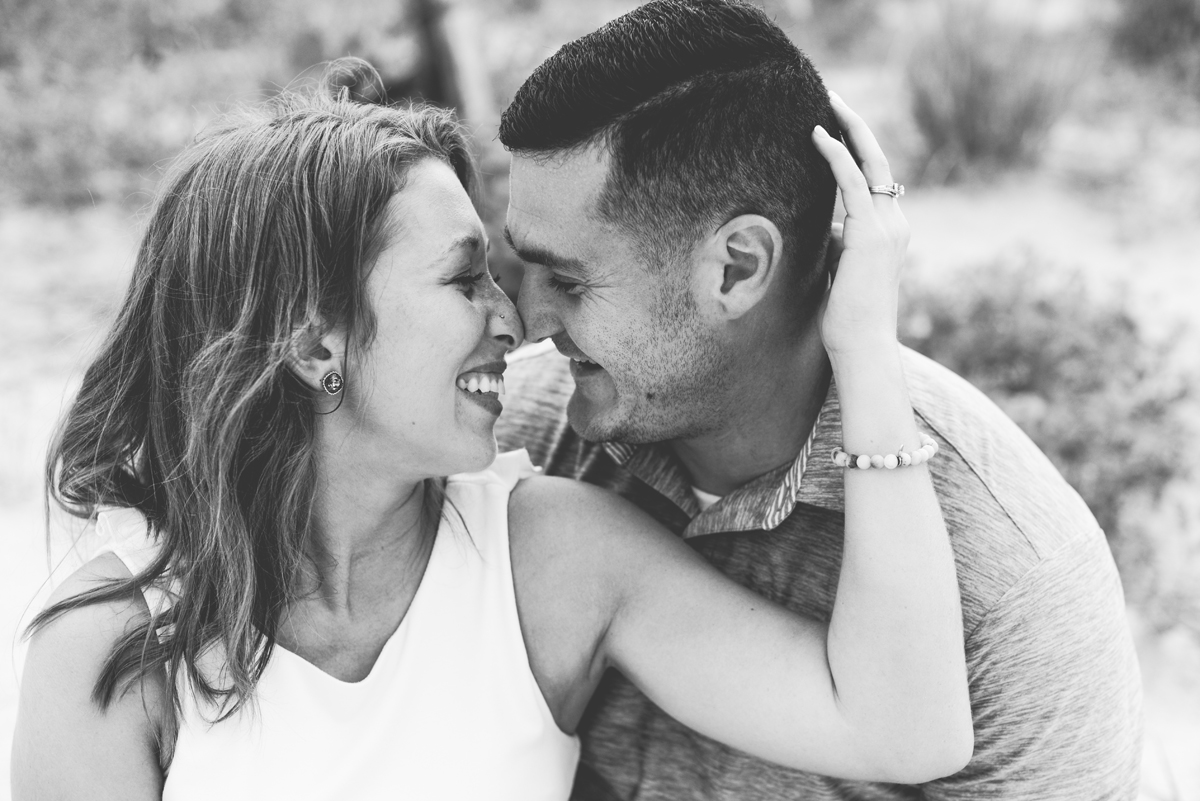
[332, 383]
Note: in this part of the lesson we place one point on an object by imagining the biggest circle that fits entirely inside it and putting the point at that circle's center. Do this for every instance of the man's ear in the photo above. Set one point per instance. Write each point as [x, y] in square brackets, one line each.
[315, 352]
[739, 263]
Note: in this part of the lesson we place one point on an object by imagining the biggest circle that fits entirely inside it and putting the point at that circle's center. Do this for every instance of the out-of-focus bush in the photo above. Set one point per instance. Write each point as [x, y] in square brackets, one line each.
[848, 27]
[1162, 33]
[986, 89]
[95, 94]
[1078, 375]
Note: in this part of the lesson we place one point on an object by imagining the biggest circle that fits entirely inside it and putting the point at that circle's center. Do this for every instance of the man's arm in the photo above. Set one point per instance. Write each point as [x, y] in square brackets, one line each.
[1055, 688]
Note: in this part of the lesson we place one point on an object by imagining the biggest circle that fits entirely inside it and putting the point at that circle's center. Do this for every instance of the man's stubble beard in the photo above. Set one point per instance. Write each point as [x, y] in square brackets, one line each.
[657, 404]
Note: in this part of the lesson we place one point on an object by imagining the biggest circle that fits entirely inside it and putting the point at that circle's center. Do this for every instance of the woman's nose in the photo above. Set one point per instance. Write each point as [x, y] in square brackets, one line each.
[506, 322]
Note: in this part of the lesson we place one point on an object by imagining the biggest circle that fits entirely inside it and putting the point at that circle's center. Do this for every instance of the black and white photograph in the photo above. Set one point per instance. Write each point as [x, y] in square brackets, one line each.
[600, 400]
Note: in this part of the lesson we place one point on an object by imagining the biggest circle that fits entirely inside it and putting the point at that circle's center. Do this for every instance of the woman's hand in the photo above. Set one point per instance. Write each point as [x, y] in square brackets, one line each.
[860, 309]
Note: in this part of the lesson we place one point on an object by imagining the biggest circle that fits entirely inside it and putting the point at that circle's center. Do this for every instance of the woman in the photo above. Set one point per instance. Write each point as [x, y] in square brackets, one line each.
[287, 600]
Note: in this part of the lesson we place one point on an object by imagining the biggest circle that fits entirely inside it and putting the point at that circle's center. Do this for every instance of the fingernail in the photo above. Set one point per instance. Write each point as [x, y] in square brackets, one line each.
[819, 131]
[834, 95]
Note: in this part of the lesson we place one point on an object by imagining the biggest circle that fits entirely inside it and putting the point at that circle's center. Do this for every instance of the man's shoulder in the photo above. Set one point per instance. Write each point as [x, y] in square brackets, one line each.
[1049, 650]
[997, 463]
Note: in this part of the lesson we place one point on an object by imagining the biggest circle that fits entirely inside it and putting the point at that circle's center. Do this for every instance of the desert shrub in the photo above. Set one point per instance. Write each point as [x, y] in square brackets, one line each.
[1162, 33]
[1152, 30]
[985, 91]
[848, 26]
[1077, 373]
[97, 93]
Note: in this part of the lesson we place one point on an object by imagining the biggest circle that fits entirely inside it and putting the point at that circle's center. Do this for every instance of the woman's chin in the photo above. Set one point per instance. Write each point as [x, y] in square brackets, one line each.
[479, 457]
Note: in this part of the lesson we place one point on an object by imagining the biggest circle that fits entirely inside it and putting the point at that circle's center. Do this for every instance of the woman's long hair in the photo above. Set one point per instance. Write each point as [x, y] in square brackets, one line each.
[264, 231]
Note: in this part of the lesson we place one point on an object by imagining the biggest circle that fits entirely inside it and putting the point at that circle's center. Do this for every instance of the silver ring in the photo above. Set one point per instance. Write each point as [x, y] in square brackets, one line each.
[895, 190]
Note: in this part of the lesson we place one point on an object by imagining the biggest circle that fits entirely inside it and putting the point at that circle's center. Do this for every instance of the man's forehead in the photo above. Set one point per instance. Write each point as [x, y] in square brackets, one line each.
[571, 180]
[553, 217]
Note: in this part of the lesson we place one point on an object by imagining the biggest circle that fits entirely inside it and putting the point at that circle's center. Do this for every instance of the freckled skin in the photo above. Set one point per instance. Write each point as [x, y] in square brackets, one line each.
[664, 372]
[405, 413]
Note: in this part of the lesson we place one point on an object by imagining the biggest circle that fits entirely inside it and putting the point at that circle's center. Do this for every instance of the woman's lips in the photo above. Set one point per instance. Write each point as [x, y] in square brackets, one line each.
[483, 385]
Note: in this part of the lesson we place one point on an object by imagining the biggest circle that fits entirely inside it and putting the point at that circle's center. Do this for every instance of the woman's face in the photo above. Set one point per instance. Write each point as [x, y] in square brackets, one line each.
[430, 381]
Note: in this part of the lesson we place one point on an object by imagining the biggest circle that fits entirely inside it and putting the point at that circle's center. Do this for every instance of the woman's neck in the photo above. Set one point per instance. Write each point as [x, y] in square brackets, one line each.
[373, 533]
[367, 561]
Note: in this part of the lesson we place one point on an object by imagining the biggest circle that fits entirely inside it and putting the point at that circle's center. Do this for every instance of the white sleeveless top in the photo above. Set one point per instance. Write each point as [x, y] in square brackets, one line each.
[450, 710]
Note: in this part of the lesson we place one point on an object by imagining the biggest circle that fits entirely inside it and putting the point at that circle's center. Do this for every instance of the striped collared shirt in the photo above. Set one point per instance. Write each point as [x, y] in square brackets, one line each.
[1054, 682]
[762, 504]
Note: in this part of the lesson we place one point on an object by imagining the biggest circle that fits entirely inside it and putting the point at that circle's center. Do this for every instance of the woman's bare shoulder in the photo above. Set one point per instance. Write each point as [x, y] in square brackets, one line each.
[83, 632]
[71, 648]
[569, 542]
[557, 550]
[579, 515]
[64, 739]
[105, 568]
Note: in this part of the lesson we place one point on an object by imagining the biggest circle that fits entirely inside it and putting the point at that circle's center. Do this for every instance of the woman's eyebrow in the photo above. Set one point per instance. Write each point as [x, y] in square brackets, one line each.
[536, 254]
[468, 242]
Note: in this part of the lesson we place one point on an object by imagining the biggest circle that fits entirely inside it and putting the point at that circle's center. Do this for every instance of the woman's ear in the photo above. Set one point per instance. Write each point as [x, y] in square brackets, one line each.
[739, 263]
[315, 353]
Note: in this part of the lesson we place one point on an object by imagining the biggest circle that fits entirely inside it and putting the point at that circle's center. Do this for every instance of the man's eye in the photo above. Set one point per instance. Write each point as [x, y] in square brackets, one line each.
[565, 287]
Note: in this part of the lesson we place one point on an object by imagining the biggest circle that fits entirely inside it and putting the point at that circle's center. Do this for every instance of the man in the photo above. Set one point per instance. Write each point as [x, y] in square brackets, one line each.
[673, 216]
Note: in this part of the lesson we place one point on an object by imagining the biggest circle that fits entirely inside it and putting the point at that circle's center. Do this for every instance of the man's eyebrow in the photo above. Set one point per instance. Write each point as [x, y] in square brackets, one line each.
[535, 254]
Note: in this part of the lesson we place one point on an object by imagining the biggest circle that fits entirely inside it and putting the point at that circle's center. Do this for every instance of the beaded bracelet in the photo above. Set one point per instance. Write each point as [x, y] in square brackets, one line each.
[889, 461]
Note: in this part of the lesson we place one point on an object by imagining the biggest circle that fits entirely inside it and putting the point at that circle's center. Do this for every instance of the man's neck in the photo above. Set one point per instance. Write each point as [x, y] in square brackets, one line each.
[774, 408]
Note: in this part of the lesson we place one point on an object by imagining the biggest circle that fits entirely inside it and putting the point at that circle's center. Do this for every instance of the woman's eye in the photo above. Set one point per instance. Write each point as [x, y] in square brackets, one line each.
[469, 280]
[565, 287]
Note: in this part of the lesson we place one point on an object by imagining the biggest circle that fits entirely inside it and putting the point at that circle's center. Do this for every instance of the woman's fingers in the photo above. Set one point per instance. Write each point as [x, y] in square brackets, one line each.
[863, 143]
[833, 251]
[850, 180]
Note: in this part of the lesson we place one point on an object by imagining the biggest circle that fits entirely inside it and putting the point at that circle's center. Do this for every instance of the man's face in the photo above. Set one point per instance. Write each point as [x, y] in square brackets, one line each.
[645, 367]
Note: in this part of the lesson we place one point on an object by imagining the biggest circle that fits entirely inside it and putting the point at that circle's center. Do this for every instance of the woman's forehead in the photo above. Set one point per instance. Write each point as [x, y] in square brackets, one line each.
[432, 216]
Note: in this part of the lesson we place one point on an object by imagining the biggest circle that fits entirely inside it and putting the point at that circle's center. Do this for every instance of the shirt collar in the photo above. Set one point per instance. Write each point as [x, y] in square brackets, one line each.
[762, 504]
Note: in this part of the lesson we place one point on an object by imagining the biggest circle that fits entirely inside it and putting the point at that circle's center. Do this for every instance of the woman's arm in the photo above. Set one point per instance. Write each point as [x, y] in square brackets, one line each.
[65, 746]
[881, 692]
[898, 599]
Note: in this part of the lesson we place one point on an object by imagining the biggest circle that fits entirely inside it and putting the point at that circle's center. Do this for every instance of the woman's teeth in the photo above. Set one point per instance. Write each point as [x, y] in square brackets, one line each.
[482, 382]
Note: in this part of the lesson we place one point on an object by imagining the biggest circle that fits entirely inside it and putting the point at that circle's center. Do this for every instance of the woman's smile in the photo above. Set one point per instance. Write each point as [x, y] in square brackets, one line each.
[484, 385]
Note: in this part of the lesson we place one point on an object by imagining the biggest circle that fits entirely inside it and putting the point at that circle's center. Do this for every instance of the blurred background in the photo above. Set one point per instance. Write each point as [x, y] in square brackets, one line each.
[1051, 150]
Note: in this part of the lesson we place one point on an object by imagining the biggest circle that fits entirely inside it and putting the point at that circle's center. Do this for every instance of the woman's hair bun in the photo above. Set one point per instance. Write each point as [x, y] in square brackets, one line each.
[352, 78]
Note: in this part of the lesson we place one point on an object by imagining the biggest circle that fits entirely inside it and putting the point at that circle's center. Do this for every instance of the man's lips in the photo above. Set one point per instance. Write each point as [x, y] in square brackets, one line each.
[584, 368]
[568, 349]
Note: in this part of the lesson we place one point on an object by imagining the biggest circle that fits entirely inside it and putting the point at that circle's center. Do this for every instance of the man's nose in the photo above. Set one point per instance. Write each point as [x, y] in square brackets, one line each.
[535, 301]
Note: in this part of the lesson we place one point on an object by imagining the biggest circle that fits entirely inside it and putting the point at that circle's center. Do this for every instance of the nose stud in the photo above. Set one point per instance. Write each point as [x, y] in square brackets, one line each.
[502, 317]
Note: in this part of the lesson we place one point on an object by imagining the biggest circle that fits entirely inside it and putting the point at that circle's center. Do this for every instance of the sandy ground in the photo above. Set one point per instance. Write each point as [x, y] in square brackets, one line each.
[62, 274]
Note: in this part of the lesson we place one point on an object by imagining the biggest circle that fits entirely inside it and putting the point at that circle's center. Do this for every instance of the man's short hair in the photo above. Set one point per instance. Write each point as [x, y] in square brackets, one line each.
[707, 111]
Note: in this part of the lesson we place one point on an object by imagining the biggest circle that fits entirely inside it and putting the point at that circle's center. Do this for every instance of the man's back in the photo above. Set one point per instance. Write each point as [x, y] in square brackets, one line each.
[1054, 680]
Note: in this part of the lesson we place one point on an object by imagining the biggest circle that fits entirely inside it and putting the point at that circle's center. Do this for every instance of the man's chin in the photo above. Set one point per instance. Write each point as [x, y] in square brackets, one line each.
[605, 422]
[585, 418]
